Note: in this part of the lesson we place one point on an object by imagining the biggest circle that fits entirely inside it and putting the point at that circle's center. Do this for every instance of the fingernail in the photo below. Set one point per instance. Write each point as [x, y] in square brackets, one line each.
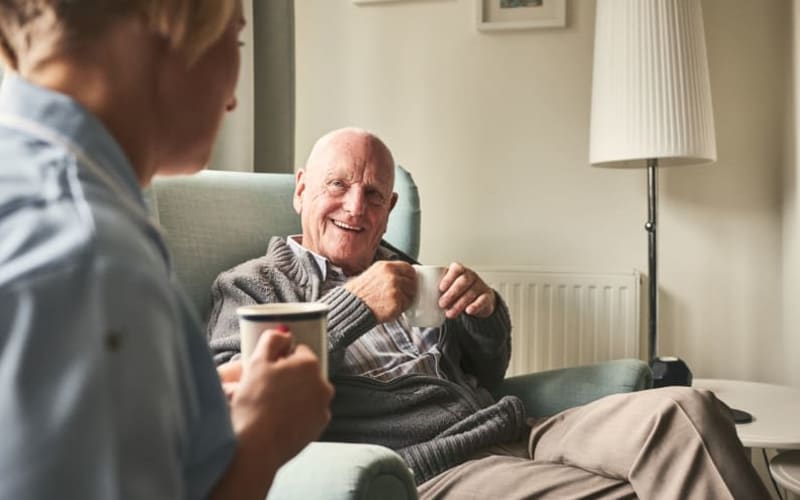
[282, 328]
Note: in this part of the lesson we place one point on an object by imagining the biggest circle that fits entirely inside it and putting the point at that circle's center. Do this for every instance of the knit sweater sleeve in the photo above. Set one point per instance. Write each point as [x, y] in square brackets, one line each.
[281, 277]
[245, 284]
[349, 317]
[274, 277]
[485, 344]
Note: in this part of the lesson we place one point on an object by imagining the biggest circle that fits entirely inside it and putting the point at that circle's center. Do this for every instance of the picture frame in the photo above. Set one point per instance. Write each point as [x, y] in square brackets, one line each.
[497, 15]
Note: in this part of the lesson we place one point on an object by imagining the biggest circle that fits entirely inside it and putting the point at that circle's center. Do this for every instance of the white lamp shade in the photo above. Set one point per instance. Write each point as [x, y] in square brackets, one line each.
[651, 96]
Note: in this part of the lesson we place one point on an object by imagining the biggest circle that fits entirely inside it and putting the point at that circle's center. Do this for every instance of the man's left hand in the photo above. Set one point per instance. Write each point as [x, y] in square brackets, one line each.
[464, 291]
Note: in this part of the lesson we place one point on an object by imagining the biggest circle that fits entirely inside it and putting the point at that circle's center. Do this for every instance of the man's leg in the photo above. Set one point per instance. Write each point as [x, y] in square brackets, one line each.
[506, 473]
[674, 442]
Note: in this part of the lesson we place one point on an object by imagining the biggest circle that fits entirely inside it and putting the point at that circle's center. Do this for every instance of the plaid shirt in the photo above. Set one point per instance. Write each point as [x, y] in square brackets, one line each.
[390, 349]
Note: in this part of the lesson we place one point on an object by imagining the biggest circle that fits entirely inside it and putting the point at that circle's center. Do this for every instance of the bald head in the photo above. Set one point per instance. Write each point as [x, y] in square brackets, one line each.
[359, 145]
[344, 196]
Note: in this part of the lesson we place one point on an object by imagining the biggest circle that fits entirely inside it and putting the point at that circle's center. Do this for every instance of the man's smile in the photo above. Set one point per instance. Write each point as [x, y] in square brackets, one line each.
[346, 227]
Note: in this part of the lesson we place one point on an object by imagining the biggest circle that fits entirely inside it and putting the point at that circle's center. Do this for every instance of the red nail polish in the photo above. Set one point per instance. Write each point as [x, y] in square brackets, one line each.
[282, 328]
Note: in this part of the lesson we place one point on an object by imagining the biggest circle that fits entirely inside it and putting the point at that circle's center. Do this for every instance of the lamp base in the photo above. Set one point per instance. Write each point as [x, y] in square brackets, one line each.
[670, 370]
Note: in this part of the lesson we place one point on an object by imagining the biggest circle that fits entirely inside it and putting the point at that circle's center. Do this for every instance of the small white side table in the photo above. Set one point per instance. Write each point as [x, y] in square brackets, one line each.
[785, 469]
[775, 410]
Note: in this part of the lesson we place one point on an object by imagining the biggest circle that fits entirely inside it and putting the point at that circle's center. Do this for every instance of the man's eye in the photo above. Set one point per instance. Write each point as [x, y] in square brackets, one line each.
[337, 184]
[375, 198]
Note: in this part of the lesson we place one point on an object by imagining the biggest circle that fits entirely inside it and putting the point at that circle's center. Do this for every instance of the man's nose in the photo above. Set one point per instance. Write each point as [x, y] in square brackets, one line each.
[354, 201]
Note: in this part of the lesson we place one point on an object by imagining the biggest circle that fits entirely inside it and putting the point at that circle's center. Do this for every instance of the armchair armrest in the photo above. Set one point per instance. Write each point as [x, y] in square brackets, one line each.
[340, 471]
[547, 393]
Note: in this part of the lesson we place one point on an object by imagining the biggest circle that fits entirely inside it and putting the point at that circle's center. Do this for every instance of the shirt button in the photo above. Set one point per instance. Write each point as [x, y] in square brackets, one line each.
[113, 340]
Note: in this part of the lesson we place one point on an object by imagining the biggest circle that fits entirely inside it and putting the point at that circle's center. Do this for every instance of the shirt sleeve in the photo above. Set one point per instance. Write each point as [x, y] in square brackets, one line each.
[94, 394]
[212, 441]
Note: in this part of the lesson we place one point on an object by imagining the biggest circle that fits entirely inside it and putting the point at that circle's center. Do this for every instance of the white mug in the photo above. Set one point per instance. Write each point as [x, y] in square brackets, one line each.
[307, 321]
[424, 311]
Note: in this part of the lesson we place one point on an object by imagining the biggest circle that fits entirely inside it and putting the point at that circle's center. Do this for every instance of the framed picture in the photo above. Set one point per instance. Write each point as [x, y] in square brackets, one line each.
[495, 15]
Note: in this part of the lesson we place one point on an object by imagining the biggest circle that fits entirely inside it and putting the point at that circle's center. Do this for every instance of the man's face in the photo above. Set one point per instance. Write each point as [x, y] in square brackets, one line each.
[344, 197]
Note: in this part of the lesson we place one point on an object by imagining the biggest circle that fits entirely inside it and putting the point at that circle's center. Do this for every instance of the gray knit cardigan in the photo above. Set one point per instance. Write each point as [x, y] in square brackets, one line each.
[433, 423]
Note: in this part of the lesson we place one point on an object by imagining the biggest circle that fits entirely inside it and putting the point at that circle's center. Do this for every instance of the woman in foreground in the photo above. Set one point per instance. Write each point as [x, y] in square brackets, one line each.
[107, 389]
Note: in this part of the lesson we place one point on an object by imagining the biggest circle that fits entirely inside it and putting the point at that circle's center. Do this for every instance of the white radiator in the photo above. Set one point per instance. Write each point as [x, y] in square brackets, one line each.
[563, 319]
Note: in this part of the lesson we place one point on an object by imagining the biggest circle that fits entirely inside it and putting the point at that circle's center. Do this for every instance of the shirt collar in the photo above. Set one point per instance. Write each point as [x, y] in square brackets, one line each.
[323, 264]
[295, 243]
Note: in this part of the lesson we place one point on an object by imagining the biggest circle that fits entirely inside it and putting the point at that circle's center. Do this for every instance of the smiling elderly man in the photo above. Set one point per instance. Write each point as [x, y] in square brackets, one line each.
[426, 392]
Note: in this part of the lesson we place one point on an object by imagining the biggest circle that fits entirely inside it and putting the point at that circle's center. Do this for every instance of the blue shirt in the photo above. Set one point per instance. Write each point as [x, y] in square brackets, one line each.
[107, 387]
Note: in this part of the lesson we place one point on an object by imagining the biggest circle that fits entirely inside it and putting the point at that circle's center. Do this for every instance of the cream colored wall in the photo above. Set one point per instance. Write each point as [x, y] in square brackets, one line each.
[791, 210]
[233, 149]
[494, 128]
[735, 205]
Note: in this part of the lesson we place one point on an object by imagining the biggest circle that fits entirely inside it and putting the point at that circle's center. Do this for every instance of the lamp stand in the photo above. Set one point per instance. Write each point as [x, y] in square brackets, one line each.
[666, 370]
[652, 257]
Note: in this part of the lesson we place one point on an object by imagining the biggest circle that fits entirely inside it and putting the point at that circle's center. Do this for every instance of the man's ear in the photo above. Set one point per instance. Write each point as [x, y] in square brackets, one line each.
[392, 203]
[299, 187]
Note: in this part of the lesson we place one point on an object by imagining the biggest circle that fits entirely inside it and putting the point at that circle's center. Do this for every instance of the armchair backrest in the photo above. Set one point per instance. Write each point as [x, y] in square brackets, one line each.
[214, 220]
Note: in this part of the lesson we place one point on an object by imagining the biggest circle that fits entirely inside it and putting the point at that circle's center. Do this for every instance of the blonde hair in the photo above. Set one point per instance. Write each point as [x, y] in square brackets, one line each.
[188, 25]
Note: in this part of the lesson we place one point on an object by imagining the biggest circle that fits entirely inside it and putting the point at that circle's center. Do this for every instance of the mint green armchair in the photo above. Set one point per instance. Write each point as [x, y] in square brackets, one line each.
[214, 220]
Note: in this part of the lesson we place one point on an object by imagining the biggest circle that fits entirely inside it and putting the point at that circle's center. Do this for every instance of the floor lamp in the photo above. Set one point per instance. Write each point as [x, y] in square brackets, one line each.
[651, 107]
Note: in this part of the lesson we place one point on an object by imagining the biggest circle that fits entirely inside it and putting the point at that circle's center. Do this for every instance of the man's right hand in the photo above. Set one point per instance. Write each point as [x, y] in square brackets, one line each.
[282, 401]
[387, 287]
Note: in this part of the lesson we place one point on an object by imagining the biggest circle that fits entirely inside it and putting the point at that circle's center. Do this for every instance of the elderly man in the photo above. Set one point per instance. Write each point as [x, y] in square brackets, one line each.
[425, 392]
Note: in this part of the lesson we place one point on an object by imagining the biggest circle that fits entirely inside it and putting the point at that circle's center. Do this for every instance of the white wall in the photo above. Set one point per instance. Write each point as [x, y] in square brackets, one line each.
[494, 128]
[791, 210]
[233, 149]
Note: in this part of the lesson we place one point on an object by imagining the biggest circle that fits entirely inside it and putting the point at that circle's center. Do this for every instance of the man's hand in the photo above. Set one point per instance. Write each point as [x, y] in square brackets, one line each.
[282, 401]
[387, 287]
[464, 291]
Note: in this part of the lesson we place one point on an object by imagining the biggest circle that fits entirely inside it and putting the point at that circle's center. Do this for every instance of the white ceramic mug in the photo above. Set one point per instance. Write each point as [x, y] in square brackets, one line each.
[424, 311]
[307, 321]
